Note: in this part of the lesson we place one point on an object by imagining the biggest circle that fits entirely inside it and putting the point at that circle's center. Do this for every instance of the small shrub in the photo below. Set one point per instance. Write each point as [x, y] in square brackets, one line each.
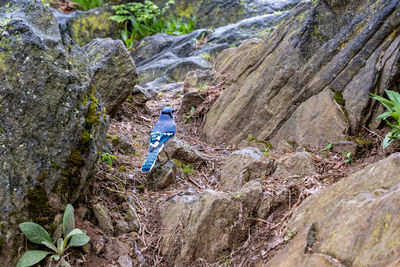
[191, 115]
[349, 158]
[392, 110]
[290, 234]
[73, 237]
[109, 158]
[203, 87]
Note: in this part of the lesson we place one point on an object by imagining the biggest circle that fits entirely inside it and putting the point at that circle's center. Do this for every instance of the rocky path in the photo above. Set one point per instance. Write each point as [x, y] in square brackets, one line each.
[142, 216]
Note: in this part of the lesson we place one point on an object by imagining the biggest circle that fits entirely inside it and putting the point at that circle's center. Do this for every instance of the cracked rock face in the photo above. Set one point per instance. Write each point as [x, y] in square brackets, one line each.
[309, 81]
[355, 222]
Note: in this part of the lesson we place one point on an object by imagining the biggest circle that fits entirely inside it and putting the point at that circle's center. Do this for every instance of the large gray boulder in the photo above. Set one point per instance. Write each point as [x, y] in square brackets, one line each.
[53, 124]
[309, 81]
[355, 222]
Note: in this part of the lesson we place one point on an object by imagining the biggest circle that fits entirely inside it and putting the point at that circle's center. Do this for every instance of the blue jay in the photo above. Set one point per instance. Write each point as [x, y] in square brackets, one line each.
[163, 131]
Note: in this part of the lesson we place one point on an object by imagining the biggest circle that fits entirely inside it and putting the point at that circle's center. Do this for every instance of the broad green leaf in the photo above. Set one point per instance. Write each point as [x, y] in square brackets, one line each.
[387, 103]
[395, 98]
[387, 141]
[32, 257]
[76, 231]
[60, 243]
[384, 115]
[78, 240]
[49, 245]
[34, 232]
[68, 220]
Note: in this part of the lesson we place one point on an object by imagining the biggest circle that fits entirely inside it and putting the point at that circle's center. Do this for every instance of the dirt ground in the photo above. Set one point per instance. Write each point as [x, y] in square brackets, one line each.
[124, 183]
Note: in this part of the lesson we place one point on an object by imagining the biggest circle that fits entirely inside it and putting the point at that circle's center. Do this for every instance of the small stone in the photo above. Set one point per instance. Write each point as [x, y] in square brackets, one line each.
[139, 95]
[122, 227]
[123, 145]
[244, 143]
[265, 207]
[103, 217]
[125, 260]
[182, 151]
[242, 166]
[345, 147]
[81, 212]
[98, 245]
[250, 194]
[163, 175]
[295, 166]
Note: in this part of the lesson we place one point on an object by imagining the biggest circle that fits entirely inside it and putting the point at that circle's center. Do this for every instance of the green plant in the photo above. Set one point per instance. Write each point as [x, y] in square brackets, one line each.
[290, 234]
[88, 4]
[191, 115]
[208, 56]
[143, 19]
[203, 87]
[186, 168]
[392, 110]
[329, 146]
[108, 157]
[73, 237]
[349, 158]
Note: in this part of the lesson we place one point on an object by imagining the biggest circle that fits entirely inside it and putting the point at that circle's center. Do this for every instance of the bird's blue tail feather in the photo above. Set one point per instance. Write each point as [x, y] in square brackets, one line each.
[151, 159]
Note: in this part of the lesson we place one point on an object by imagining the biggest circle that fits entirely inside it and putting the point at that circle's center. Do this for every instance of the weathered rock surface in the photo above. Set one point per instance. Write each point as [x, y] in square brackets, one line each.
[122, 145]
[354, 222]
[187, 217]
[113, 70]
[295, 166]
[53, 125]
[345, 147]
[103, 218]
[309, 81]
[244, 143]
[197, 79]
[215, 13]
[164, 58]
[84, 26]
[182, 151]
[242, 166]
[163, 175]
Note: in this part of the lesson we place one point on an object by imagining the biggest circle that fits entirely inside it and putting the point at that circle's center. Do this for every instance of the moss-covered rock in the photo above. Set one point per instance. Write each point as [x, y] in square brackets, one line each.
[114, 72]
[84, 26]
[53, 123]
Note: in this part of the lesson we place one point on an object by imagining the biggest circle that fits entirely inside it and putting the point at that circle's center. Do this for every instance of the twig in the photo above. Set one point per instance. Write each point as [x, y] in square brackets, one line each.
[195, 183]
[380, 137]
[290, 211]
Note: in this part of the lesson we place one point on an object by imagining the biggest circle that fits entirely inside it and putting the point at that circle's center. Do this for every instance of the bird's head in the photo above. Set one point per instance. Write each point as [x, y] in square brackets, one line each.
[168, 111]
